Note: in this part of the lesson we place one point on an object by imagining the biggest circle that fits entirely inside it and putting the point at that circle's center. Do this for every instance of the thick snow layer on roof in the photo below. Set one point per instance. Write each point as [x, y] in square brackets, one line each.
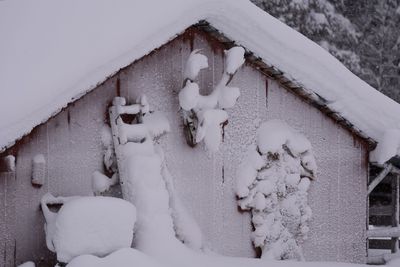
[52, 52]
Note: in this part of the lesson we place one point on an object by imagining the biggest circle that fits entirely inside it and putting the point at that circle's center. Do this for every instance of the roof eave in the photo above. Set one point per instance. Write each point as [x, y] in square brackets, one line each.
[269, 70]
[290, 84]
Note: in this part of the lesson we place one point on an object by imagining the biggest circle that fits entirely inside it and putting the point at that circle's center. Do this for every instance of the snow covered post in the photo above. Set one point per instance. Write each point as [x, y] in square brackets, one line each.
[38, 170]
[7, 164]
[203, 116]
[273, 180]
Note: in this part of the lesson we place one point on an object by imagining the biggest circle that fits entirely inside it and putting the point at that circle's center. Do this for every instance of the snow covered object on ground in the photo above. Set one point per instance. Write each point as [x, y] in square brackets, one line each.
[273, 180]
[126, 257]
[88, 225]
[204, 115]
[27, 264]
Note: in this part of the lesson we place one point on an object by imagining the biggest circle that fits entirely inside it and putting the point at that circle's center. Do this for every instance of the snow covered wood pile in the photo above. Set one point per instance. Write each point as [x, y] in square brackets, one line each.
[74, 141]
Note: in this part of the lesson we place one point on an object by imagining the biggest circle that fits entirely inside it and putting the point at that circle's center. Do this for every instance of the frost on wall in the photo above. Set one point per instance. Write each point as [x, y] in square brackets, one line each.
[272, 183]
[204, 115]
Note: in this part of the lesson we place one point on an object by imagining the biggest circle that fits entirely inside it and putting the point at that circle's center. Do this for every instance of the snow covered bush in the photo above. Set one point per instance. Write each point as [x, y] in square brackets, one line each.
[273, 180]
[88, 225]
[203, 115]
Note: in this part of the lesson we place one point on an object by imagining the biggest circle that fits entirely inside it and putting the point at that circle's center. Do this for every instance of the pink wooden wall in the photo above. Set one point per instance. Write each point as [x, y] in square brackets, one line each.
[71, 144]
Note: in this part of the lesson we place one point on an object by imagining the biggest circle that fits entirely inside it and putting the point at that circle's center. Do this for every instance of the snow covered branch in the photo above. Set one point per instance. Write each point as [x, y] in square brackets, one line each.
[272, 182]
[204, 115]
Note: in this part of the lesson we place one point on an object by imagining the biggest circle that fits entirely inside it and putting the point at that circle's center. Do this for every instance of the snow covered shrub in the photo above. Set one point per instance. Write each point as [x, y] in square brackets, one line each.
[88, 225]
[273, 180]
[203, 116]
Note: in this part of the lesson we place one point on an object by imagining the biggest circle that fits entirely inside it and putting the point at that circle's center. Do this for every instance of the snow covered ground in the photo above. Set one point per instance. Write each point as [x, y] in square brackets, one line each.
[129, 257]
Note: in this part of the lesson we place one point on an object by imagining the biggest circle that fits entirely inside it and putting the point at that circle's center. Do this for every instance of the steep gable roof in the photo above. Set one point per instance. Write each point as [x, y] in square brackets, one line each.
[53, 52]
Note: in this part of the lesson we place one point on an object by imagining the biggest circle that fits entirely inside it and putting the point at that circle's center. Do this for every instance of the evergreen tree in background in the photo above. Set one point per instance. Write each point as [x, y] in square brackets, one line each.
[379, 48]
[363, 34]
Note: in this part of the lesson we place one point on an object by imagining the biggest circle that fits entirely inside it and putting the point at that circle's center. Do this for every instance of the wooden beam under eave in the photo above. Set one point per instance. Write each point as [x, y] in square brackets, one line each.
[386, 170]
[395, 211]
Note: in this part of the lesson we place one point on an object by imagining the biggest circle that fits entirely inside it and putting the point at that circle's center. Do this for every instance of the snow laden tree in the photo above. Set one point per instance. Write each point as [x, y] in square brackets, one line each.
[204, 115]
[272, 183]
[379, 47]
[322, 22]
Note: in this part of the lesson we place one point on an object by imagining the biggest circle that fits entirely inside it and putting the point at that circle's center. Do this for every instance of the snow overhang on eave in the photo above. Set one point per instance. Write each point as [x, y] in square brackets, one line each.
[289, 83]
[267, 69]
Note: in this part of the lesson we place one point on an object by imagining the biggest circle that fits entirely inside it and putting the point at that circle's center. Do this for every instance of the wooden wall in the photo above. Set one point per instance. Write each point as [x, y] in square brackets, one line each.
[71, 144]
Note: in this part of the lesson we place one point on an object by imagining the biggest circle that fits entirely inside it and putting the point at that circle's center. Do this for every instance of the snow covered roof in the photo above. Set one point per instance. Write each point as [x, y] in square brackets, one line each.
[53, 52]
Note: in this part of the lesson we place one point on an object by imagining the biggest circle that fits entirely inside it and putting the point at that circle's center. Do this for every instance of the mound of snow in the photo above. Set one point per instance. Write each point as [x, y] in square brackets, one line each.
[388, 147]
[92, 225]
[126, 257]
[195, 63]
[102, 183]
[27, 264]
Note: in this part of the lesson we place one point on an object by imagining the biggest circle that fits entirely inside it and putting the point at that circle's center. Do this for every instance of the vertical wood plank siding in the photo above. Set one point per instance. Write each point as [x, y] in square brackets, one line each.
[71, 144]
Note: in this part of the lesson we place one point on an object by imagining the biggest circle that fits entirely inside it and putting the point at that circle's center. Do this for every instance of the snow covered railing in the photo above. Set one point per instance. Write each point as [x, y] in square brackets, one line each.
[384, 232]
[394, 231]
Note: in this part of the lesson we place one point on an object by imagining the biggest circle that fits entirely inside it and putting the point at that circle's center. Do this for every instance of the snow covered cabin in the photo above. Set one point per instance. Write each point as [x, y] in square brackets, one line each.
[62, 64]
